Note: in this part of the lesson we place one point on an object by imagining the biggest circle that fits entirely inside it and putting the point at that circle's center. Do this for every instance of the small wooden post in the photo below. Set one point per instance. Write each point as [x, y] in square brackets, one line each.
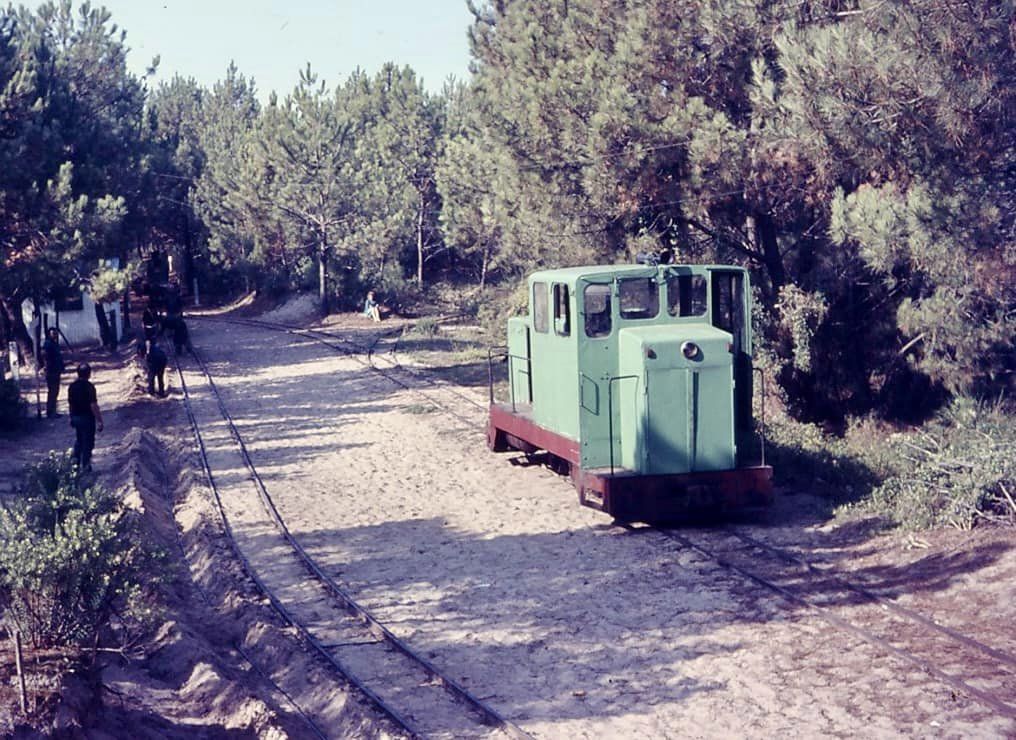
[21, 672]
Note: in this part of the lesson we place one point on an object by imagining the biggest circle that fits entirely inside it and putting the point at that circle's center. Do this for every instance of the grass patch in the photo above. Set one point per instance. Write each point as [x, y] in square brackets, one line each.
[455, 354]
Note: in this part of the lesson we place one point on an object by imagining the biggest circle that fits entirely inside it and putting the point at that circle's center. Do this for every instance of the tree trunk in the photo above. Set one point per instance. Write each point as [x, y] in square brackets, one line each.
[188, 253]
[419, 242]
[484, 263]
[323, 278]
[765, 230]
[105, 332]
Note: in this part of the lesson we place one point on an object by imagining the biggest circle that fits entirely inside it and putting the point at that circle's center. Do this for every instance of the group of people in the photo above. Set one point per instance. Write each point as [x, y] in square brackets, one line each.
[82, 400]
[155, 357]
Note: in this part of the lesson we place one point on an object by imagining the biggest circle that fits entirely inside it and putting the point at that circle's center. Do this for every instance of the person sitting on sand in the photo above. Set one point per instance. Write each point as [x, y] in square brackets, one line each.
[371, 308]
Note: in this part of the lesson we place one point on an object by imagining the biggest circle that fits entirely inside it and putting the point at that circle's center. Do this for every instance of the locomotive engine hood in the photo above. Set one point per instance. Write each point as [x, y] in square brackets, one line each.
[681, 418]
[690, 346]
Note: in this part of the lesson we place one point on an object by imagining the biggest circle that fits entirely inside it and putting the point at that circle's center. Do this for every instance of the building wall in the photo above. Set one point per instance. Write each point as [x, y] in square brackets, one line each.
[78, 327]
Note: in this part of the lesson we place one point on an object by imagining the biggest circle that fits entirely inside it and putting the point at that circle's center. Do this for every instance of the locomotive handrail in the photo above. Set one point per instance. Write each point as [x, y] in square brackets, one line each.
[610, 413]
[762, 415]
[511, 377]
[499, 351]
[502, 351]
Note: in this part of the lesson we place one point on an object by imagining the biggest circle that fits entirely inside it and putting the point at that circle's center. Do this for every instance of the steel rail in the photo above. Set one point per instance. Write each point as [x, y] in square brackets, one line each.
[985, 698]
[207, 599]
[489, 715]
[999, 655]
[265, 591]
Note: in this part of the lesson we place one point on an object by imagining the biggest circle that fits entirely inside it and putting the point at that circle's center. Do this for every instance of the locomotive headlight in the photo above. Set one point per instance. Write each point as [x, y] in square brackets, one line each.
[690, 350]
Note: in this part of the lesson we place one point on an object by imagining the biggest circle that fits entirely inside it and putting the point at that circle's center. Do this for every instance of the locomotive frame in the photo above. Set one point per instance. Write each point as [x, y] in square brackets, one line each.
[637, 381]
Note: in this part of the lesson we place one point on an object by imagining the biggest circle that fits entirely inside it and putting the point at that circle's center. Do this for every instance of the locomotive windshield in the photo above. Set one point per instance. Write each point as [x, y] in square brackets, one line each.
[639, 297]
[596, 306]
[540, 313]
[686, 295]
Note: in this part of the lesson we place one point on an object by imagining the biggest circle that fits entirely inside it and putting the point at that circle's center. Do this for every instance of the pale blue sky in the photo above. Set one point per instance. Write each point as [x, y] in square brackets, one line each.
[272, 41]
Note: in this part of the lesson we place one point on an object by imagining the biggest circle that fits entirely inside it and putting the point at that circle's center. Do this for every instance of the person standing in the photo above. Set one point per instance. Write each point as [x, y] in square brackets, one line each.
[85, 416]
[150, 325]
[181, 337]
[52, 360]
[157, 361]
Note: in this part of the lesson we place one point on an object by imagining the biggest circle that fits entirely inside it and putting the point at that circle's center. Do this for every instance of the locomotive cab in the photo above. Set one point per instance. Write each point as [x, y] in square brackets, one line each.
[638, 379]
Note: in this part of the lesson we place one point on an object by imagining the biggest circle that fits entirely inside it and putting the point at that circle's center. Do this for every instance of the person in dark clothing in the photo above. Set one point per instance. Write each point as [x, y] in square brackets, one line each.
[181, 337]
[52, 360]
[157, 361]
[85, 417]
[150, 324]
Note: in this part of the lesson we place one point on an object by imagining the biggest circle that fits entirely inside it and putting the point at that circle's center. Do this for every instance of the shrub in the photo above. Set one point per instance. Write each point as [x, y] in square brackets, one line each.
[13, 407]
[959, 470]
[806, 458]
[428, 326]
[70, 558]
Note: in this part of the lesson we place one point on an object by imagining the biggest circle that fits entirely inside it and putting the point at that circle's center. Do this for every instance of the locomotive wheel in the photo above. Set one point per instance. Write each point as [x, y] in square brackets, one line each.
[559, 465]
[496, 441]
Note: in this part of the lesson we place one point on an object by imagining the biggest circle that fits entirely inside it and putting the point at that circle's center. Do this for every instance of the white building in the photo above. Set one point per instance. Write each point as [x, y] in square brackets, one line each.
[74, 316]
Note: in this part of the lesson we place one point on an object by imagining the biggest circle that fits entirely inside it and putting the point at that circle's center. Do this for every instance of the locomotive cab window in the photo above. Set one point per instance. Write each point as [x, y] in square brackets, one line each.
[639, 298]
[596, 307]
[686, 295]
[540, 309]
[728, 303]
[562, 312]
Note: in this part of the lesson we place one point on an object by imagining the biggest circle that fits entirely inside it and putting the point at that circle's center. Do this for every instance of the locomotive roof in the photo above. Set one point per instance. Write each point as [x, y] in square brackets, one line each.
[571, 274]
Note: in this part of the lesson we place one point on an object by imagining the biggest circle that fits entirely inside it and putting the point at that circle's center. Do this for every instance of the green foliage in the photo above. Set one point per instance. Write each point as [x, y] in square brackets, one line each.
[800, 315]
[399, 146]
[807, 459]
[959, 471]
[857, 157]
[70, 558]
[70, 155]
[428, 326]
[111, 285]
[861, 157]
[13, 408]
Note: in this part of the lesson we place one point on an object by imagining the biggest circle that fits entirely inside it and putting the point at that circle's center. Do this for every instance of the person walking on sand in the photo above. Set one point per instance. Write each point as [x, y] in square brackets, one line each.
[156, 362]
[85, 417]
[52, 360]
[371, 309]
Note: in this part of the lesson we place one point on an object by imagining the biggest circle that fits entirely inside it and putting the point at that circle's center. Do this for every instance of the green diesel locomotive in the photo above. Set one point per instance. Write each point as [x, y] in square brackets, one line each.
[637, 381]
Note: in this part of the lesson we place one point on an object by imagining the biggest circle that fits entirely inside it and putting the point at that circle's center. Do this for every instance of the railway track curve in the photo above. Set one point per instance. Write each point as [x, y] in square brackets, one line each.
[406, 687]
[984, 674]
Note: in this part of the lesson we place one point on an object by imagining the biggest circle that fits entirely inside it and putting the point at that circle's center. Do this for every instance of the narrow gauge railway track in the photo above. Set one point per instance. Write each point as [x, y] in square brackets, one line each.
[367, 356]
[405, 686]
[985, 674]
[982, 672]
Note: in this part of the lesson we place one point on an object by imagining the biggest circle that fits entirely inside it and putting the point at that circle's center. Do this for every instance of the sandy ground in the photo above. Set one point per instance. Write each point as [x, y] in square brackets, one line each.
[567, 625]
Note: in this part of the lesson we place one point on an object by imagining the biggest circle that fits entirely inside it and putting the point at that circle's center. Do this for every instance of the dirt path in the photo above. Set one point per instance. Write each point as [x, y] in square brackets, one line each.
[567, 625]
